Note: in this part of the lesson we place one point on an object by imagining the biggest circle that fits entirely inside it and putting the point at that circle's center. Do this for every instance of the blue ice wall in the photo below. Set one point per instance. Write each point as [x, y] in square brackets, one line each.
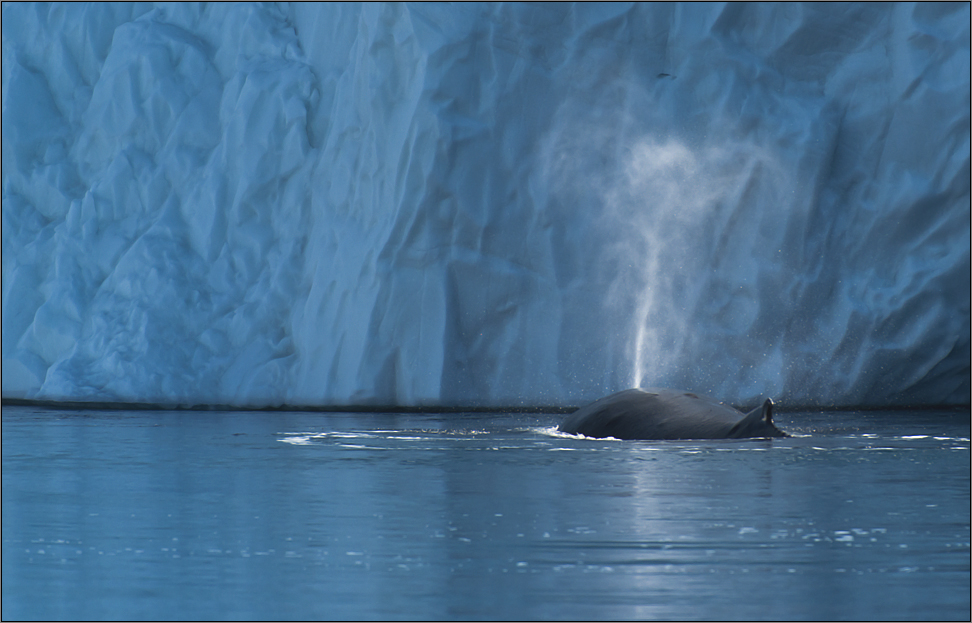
[486, 204]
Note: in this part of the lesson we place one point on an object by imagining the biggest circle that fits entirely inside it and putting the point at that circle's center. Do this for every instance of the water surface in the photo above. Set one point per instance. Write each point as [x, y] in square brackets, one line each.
[256, 515]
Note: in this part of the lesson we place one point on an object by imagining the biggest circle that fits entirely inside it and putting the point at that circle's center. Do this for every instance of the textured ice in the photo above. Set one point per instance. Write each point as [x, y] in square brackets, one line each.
[485, 204]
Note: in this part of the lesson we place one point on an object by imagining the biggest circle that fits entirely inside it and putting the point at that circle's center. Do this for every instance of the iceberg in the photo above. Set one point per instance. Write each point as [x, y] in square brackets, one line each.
[501, 204]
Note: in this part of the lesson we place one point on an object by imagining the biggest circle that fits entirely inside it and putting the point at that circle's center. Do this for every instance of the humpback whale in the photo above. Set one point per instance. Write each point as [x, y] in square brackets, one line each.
[668, 414]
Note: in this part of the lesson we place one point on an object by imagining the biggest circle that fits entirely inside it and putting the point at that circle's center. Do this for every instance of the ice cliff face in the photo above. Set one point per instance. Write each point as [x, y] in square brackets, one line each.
[486, 204]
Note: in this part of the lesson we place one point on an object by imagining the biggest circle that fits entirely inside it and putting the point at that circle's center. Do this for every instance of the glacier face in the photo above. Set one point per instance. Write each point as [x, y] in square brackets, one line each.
[486, 204]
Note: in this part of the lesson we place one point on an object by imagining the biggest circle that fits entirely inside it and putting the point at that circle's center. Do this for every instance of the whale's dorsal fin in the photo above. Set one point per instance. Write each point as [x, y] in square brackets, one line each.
[767, 411]
[755, 420]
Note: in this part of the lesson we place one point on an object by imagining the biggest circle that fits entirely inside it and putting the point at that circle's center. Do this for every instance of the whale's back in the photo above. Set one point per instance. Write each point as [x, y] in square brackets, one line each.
[653, 414]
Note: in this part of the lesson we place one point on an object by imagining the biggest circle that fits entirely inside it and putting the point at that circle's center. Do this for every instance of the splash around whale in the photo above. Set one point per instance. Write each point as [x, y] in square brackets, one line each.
[657, 413]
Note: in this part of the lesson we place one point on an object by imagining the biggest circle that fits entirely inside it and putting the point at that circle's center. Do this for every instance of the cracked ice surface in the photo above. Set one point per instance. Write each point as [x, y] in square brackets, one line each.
[485, 204]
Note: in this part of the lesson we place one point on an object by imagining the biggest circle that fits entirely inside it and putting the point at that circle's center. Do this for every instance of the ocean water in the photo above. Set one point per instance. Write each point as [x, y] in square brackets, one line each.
[260, 515]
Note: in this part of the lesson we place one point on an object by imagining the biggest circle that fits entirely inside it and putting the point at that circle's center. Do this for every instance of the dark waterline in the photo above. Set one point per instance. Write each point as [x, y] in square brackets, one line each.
[257, 515]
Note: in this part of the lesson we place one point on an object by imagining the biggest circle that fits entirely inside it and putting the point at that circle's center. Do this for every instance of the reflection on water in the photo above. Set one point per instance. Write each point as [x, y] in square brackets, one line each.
[160, 515]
